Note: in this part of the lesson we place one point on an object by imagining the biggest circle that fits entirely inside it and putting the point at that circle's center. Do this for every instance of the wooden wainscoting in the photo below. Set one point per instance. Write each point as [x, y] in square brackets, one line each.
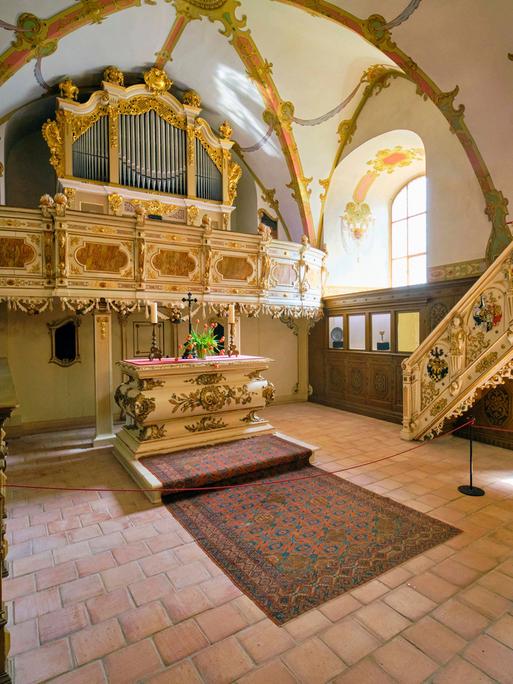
[368, 381]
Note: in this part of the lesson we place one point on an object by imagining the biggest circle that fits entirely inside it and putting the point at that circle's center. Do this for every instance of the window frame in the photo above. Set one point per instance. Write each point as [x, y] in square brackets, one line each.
[390, 233]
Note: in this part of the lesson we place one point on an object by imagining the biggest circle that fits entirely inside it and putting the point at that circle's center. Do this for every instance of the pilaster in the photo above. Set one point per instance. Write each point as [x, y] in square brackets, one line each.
[103, 389]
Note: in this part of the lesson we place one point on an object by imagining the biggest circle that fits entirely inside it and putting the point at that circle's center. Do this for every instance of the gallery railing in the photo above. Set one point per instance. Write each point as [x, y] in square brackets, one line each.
[469, 351]
[128, 261]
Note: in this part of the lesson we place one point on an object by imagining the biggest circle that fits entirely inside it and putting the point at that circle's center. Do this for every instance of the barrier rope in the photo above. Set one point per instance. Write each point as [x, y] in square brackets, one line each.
[166, 490]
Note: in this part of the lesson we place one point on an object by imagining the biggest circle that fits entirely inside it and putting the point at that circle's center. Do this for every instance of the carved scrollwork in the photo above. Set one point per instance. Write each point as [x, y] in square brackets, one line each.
[206, 423]
[211, 398]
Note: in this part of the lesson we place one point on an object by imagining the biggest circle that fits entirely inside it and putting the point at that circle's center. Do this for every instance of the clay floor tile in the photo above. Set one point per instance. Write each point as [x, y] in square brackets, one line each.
[265, 640]
[33, 605]
[17, 551]
[382, 620]
[369, 591]
[159, 562]
[486, 602]
[502, 630]
[163, 542]
[97, 641]
[45, 517]
[404, 662]
[223, 662]
[495, 659]
[434, 639]
[313, 662]
[54, 541]
[18, 586]
[307, 625]
[62, 622]
[63, 525]
[24, 566]
[187, 553]
[220, 622]
[275, 672]
[185, 603]
[150, 589]
[350, 641]
[95, 563]
[186, 575]
[409, 602]
[462, 619]
[393, 578]
[109, 605]
[23, 637]
[133, 663]
[88, 674]
[180, 641]
[339, 607]
[106, 542]
[81, 589]
[456, 573]
[122, 575]
[59, 574]
[220, 589]
[84, 533]
[43, 663]
[249, 610]
[183, 673]
[71, 552]
[498, 583]
[133, 534]
[130, 552]
[459, 670]
[365, 672]
[27, 533]
[139, 623]
[433, 587]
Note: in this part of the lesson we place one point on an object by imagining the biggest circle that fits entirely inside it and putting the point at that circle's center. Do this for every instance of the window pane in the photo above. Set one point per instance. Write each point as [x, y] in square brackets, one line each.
[417, 267]
[399, 206]
[336, 332]
[357, 332]
[399, 239]
[399, 273]
[417, 234]
[408, 331]
[417, 196]
[381, 331]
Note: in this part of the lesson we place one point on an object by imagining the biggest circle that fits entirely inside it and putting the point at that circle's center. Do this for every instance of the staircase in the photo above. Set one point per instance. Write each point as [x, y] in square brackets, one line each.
[469, 351]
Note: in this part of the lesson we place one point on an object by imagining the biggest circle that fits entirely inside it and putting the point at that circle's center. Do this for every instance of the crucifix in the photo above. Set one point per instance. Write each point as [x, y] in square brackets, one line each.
[190, 301]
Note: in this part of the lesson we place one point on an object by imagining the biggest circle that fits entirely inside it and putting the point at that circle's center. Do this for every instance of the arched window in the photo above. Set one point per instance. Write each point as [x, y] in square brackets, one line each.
[408, 234]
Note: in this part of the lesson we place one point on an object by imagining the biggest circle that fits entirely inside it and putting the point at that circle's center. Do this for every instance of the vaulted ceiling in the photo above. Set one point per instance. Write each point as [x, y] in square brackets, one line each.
[286, 73]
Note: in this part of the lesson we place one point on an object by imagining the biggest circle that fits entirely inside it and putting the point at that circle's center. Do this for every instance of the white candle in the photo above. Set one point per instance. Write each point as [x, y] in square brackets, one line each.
[154, 313]
[231, 313]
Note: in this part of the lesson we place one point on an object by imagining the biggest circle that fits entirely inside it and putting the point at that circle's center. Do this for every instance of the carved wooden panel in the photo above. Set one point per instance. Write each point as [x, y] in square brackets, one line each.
[169, 262]
[101, 256]
[234, 268]
[15, 252]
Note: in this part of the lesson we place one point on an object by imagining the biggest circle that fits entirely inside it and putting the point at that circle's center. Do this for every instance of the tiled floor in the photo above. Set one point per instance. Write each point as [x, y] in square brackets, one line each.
[105, 587]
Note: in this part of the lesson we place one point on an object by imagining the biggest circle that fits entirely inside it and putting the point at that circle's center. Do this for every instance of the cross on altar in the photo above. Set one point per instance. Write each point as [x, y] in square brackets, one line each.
[190, 301]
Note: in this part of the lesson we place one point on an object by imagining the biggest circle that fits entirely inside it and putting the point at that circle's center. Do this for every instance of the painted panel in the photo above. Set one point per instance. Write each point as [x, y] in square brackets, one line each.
[169, 262]
[101, 256]
[15, 253]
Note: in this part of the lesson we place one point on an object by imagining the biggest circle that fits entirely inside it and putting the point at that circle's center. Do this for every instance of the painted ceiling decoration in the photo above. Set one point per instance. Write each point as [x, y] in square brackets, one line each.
[37, 39]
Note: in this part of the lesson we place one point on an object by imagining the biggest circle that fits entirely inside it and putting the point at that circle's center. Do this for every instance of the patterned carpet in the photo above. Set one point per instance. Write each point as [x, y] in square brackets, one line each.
[292, 546]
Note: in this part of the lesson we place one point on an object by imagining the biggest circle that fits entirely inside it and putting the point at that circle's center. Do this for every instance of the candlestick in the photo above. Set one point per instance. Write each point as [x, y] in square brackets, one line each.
[155, 352]
[154, 316]
[231, 314]
[232, 349]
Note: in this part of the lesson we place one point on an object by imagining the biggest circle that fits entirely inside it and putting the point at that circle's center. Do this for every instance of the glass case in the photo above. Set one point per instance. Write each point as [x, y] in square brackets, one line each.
[380, 326]
[408, 331]
[336, 332]
[357, 331]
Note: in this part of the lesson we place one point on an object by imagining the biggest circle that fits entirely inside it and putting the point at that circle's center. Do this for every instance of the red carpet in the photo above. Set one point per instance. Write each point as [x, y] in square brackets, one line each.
[292, 546]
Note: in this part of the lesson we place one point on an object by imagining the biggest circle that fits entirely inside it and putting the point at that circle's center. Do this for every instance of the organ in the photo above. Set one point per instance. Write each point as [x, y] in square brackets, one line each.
[139, 149]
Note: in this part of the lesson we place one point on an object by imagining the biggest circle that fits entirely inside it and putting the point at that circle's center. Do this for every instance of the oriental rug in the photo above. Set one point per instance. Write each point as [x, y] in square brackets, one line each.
[299, 536]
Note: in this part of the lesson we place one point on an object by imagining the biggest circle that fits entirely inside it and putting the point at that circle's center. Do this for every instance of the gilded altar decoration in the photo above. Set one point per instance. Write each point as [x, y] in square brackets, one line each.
[496, 405]
[149, 432]
[225, 130]
[113, 74]
[207, 379]
[54, 140]
[191, 99]
[437, 367]
[211, 398]
[157, 81]
[137, 406]
[487, 313]
[145, 384]
[268, 392]
[429, 392]
[251, 418]
[206, 423]
[115, 203]
[68, 89]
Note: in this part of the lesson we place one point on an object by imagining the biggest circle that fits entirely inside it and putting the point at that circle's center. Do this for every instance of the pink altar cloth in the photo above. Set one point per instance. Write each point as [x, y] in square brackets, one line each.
[173, 361]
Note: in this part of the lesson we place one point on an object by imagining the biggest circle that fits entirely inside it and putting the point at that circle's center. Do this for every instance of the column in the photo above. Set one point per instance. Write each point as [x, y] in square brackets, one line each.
[303, 327]
[103, 378]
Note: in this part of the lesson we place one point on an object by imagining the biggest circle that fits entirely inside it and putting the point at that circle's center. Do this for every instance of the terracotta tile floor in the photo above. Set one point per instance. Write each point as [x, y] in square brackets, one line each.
[106, 587]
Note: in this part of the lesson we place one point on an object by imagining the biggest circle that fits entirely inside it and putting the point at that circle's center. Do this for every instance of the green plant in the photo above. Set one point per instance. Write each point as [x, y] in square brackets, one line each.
[201, 343]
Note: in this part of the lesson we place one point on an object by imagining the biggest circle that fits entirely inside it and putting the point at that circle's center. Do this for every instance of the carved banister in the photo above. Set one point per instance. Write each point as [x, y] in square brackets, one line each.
[8, 403]
[470, 350]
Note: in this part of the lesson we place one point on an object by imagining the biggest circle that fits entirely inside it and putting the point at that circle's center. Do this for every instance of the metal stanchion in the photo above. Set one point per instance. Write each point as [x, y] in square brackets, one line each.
[469, 489]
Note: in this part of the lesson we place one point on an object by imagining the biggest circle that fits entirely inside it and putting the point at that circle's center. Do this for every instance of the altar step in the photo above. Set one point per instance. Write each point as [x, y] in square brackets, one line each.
[242, 460]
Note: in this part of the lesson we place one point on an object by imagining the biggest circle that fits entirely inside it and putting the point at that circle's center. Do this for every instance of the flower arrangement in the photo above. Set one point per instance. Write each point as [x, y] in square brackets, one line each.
[201, 343]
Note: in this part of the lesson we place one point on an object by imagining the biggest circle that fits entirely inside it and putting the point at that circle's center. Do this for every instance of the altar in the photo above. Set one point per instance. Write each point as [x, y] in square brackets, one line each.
[173, 404]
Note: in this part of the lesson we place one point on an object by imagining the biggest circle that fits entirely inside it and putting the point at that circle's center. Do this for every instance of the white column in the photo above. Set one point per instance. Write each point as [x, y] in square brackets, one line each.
[303, 327]
[103, 378]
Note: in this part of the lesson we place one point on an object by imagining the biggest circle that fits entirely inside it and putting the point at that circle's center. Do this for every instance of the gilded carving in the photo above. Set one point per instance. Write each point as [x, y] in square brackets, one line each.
[149, 432]
[154, 207]
[115, 203]
[252, 418]
[234, 175]
[216, 10]
[192, 215]
[191, 99]
[215, 153]
[211, 398]
[113, 74]
[428, 392]
[137, 406]
[101, 256]
[157, 81]
[207, 379]
[225, 130]
[476, 344]
[487, 362]
[68, 89]
[268, 393]
[496, 405]
[438, 406]
[206, 423]
[52, 133]
[145, 384]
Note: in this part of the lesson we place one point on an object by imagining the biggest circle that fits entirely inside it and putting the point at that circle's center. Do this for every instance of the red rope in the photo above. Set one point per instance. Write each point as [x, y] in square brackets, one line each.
[231, 486]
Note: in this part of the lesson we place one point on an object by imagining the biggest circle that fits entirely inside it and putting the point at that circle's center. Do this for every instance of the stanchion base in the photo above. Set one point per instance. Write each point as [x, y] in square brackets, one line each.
[471, 491]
